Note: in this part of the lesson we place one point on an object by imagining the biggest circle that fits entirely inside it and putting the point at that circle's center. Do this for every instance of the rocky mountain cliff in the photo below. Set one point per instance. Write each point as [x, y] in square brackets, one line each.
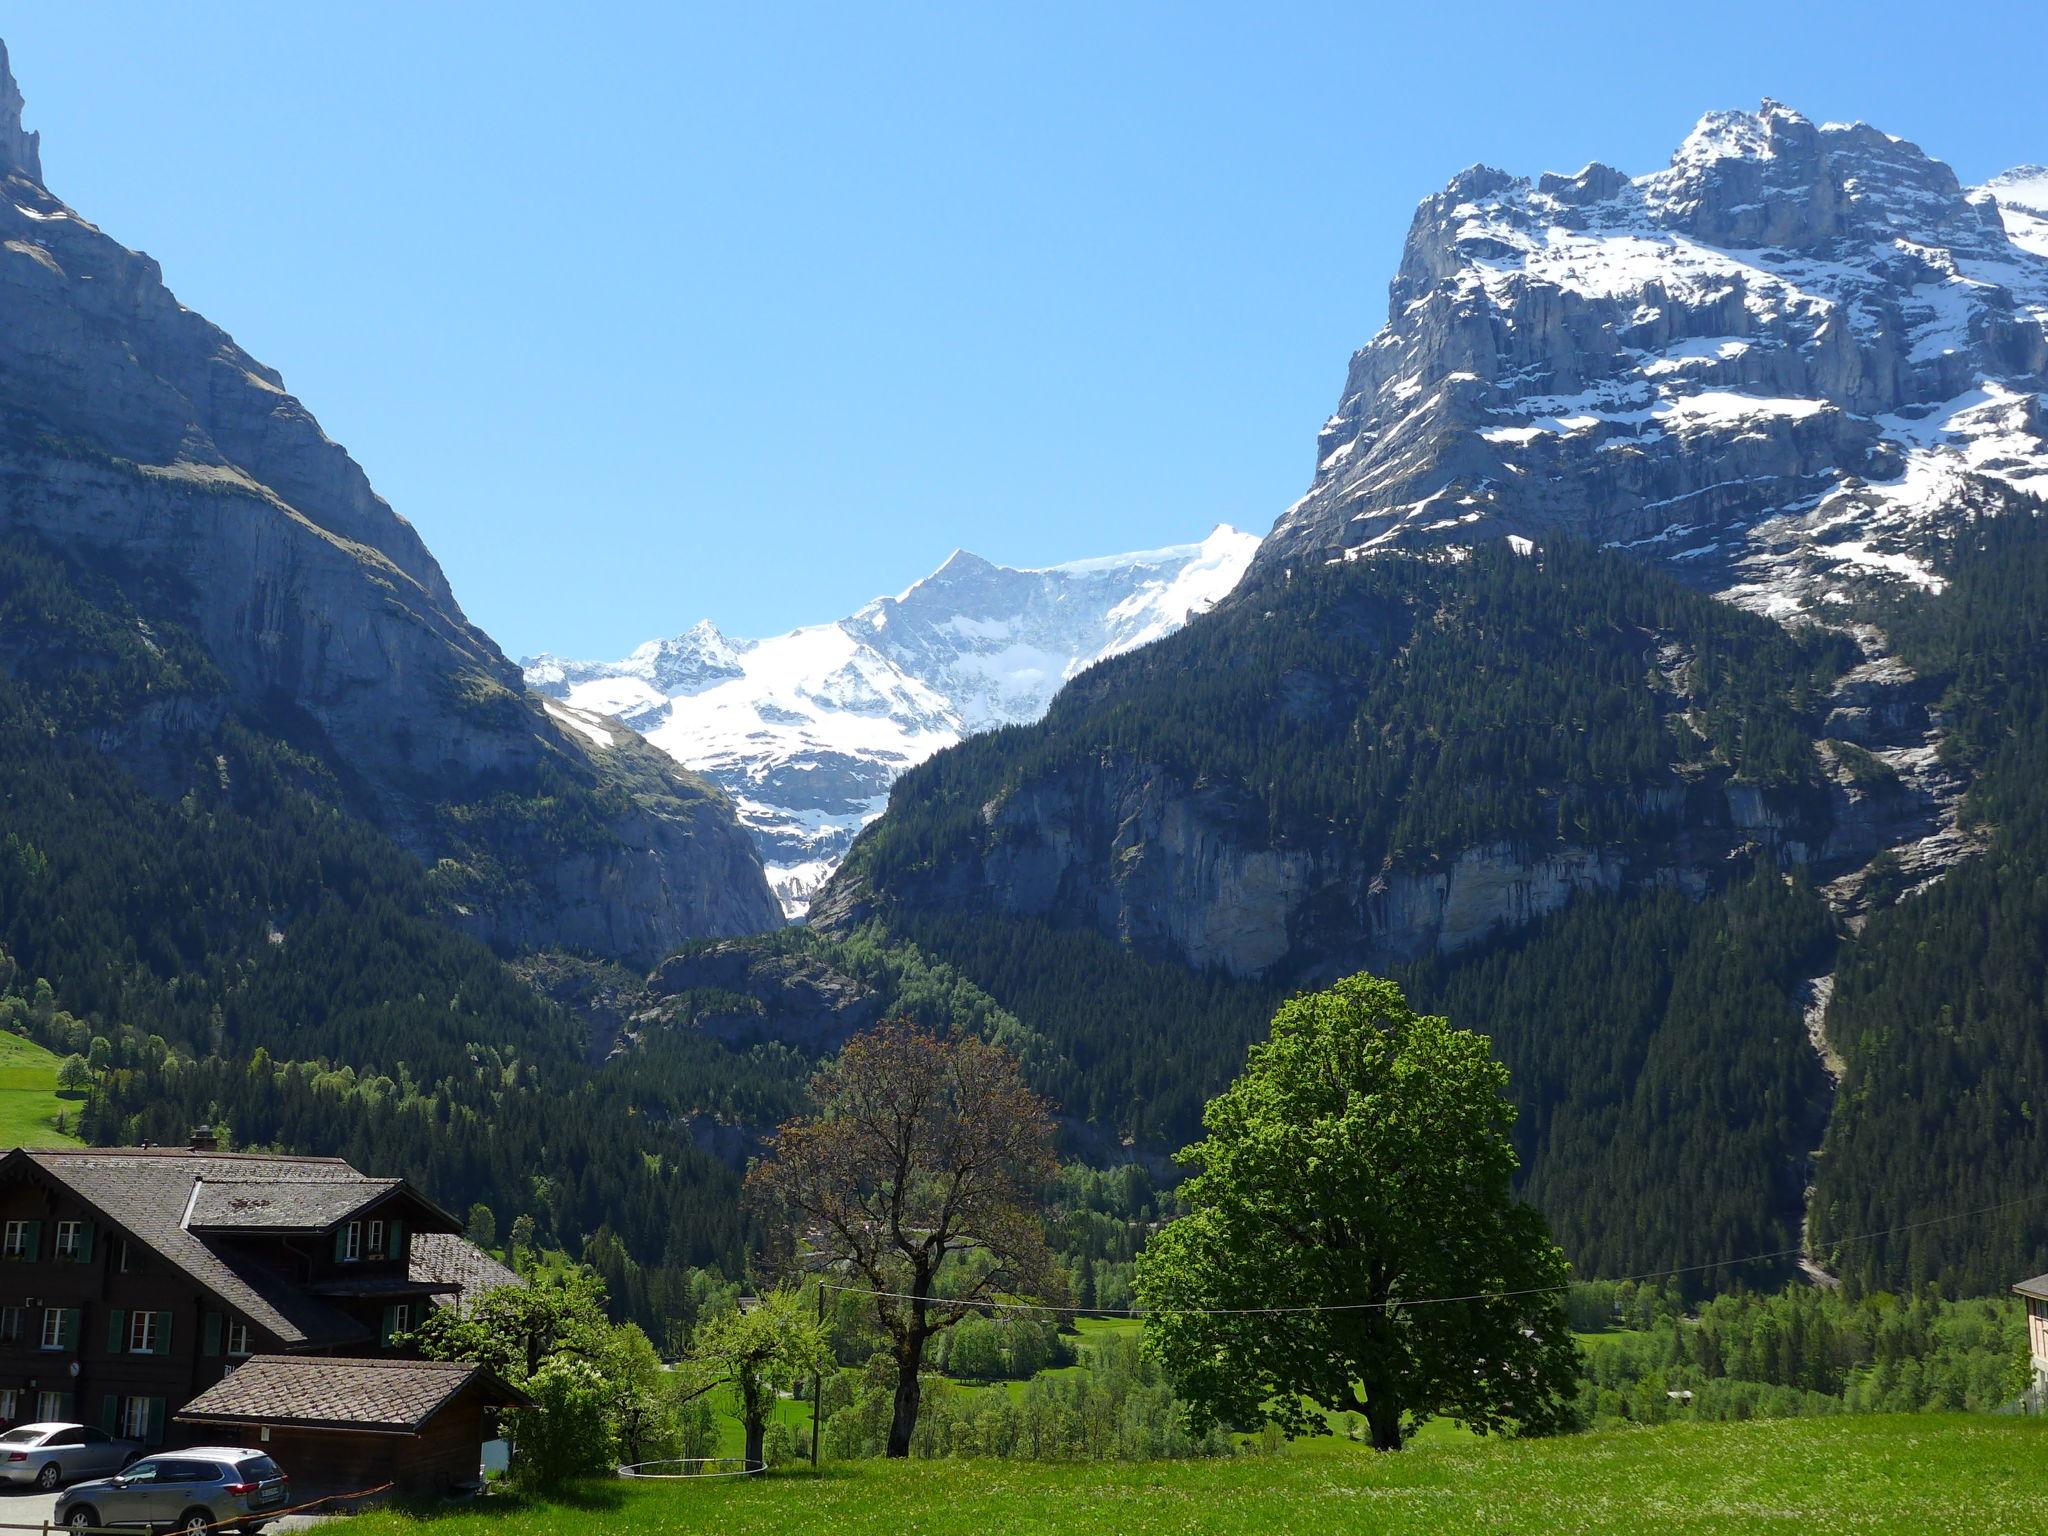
[808, 730]
[140, 443]
[1785, 357]
[1778, 370]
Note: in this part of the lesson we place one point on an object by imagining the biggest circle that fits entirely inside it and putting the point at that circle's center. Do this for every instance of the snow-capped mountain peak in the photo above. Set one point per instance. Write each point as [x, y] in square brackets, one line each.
[807, 730]
[1787, 355]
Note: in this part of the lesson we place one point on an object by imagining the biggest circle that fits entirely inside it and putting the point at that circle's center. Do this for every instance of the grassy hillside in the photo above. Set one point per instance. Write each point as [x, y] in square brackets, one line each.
[1815, 1476]
[29, 1103]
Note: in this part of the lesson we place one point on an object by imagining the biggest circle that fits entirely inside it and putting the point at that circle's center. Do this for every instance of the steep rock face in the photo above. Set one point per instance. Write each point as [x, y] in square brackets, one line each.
[808, 730]
[1777, 361]
[1776, 368]
[140, 441]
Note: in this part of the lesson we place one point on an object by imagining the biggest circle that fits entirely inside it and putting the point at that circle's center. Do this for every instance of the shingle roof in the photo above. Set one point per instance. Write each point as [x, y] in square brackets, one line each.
[444, 1258]
[147, 1193]
[287, 1205]
[2036, 1287]
[311, 1389]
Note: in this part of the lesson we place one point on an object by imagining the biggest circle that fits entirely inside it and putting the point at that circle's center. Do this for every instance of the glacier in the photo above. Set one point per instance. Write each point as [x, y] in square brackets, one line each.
[807, 730]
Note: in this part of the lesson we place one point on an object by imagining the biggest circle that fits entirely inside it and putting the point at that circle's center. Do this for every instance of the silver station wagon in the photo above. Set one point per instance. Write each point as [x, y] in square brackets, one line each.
[192, 1490]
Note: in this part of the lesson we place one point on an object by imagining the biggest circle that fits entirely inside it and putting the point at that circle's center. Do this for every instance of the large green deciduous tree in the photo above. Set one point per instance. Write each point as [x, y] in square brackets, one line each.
[1361, 1166]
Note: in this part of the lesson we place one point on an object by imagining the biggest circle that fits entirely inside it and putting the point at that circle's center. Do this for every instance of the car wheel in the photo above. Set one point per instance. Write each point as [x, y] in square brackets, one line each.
[82, 1518]
[197, 1521]
[48, 1479]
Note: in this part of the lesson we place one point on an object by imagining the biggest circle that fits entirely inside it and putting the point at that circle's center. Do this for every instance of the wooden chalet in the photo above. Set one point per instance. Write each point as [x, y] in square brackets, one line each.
[132, 1281]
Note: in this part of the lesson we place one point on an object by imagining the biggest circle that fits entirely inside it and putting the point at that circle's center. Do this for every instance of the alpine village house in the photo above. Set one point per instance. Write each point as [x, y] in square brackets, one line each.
[179, 1295]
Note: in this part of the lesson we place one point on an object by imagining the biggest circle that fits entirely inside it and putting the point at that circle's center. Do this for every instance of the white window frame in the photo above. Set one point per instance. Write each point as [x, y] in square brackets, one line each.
[49, 1406]
[53, 1328]
[352, 1244]
[238, 1339]
[69, 1238]
[141, 1333]
[401, 1317]
[373, 1244]
[135, 1419]
[14, 1242]
[20, 1332]
[10, 1399]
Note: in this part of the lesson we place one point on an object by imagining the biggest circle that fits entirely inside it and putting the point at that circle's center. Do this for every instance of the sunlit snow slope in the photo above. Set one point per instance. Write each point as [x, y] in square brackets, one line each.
[808, 730]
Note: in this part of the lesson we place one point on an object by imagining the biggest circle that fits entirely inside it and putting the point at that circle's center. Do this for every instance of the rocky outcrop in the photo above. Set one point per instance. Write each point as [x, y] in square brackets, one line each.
[21, 153]
[140, 441]
[1191, 872]
[1776, 364]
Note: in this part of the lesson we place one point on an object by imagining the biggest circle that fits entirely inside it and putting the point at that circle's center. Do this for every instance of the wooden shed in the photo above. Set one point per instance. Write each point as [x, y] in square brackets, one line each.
[343, 1424]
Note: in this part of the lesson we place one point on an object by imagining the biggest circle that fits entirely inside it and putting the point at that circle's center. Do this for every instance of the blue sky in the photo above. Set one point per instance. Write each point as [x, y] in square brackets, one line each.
[646, 313]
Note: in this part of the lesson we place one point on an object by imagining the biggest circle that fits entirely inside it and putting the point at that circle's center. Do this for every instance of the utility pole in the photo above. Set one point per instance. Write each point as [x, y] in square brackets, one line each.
[817, 1382]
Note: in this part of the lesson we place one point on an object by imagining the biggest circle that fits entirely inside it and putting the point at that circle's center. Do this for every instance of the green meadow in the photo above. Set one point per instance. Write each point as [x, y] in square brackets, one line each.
[1873, 1475]
[29, 1101]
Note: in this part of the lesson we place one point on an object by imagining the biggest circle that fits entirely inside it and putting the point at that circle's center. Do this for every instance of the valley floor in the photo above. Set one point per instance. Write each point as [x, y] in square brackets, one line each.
[1877, 1474]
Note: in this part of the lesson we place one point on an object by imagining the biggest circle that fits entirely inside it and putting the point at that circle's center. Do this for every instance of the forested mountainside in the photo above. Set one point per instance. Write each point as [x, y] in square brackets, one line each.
[1643, 679]
[274, 817]
[187, 487]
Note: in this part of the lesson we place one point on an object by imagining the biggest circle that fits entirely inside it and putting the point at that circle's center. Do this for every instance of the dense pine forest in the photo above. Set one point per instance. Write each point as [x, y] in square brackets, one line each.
[1415, 707]
[1941, 1003]
[208, 927]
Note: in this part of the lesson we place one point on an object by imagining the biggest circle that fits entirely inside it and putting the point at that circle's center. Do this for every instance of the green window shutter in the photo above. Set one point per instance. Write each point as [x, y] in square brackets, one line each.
[156, 1421]
[213, 1325]
[74, 1320]
[110, 1414]
[85, 1243]
[163, 1334]
[34, 1250]
[64, 1402]
[341, 1243]
[117, 1332]
[389, 1327]
[394, 1240]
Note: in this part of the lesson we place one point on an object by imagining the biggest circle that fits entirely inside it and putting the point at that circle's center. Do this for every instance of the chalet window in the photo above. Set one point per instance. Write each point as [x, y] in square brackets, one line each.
[131, 1261]
[135, 1419]
[397, 1320]
[74, 1242]
[376, 1243]
[238, 1338]
[351, 1243]
[10, 1400]
[19, 1241]
[51, 1406]
[60, 1328]
[10, 1329]
[142, 1333]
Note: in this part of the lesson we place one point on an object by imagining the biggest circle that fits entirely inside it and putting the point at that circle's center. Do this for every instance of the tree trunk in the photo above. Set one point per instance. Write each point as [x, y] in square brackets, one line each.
[909, 1392]
[1383, 1416]
[757, 1432]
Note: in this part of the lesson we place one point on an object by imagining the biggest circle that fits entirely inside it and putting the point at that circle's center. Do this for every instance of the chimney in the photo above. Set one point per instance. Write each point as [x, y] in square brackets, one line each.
[203, 1139]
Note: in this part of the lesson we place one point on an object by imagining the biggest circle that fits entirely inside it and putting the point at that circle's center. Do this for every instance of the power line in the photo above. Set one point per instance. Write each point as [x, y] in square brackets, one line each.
[1417, 1301]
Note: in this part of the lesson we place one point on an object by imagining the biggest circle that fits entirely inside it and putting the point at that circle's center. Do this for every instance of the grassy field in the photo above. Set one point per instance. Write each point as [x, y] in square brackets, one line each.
[29, 1103]
[1900, 1474]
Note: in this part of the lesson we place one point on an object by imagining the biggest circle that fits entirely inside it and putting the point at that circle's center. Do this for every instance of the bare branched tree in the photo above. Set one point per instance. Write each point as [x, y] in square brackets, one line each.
[921, 1173]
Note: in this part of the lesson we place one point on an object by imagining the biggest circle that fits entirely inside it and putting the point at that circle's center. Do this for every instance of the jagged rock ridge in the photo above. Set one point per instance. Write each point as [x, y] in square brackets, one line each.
[1782, 358]
[808, 730]
[141, 442]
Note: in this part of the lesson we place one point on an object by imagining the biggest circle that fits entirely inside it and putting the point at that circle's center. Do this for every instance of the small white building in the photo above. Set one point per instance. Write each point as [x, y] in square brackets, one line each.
[2035, 1293]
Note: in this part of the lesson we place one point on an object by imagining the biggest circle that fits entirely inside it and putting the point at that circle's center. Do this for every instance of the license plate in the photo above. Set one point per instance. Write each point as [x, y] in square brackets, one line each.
[269, 1495]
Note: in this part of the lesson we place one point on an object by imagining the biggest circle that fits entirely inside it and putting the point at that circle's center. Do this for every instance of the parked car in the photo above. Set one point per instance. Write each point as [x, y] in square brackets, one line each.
[183, 1490]
[51, 1455]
